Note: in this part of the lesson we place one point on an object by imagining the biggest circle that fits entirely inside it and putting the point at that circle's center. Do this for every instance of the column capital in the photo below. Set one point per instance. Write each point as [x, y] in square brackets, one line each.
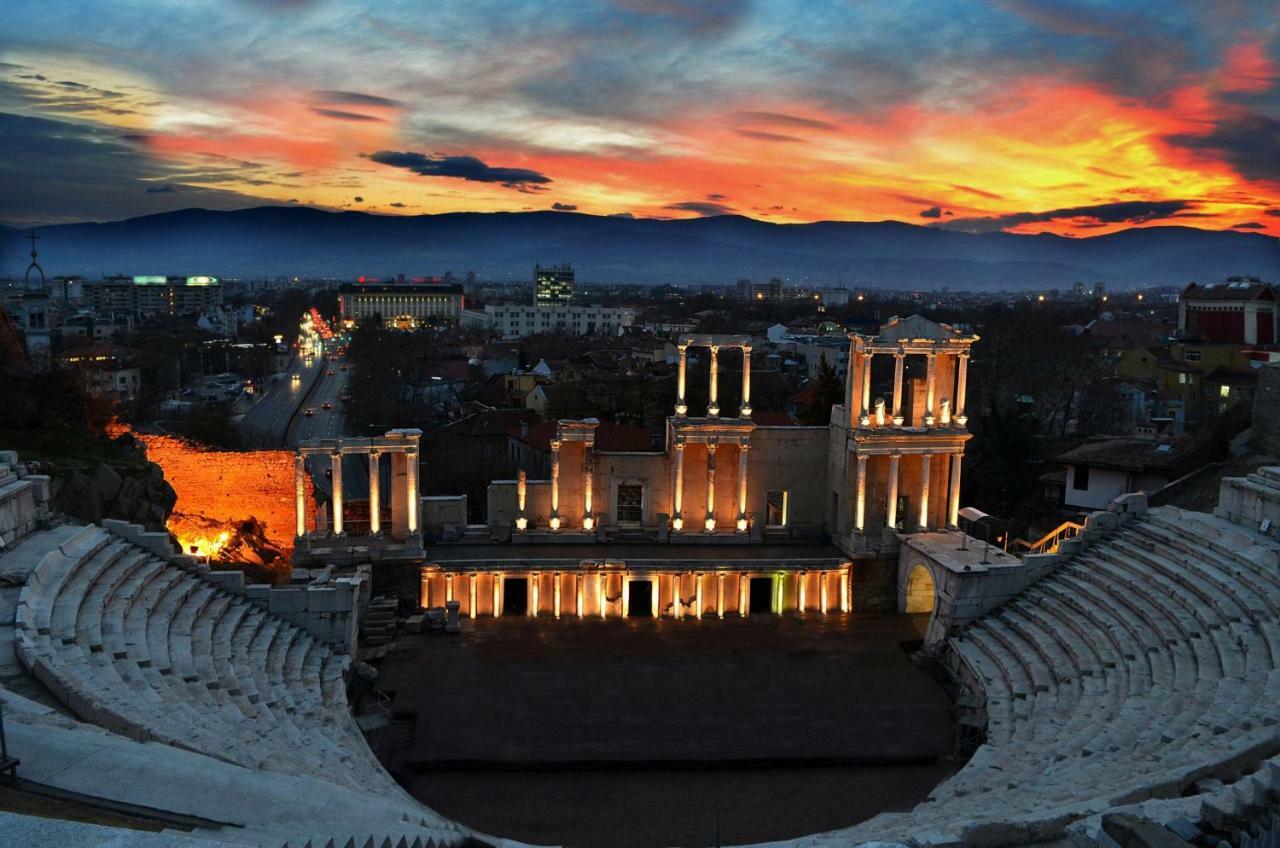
[682, 346]
[746, 349]
[899, 354]
[715, 349]
[555, 445]
[744, 443]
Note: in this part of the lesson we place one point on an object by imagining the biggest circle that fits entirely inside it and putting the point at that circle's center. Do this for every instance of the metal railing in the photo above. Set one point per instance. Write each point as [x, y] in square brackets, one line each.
[1049, 542]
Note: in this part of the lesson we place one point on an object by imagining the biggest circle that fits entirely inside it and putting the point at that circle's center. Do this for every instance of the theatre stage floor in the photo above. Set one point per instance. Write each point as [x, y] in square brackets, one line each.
[636, 732]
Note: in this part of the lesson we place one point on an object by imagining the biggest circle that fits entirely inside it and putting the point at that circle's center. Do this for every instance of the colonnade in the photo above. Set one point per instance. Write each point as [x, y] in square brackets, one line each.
[677, 595]
[712, 443]
[939, 411]
[401, 446]
[714, 344]
[921, 518]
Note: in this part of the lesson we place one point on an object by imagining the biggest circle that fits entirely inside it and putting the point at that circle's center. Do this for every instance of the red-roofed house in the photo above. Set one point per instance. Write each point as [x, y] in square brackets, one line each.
[1243, 310]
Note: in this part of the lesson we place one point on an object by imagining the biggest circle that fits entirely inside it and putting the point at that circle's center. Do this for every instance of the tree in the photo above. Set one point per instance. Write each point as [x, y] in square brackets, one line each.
[827, 393]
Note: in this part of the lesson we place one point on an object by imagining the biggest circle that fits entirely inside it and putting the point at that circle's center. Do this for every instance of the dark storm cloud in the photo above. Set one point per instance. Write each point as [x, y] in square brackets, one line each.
[716, 197]
[698, 17]
[1275, 213]
[356, 98]
[61, 171]
[761, 135]
[931, 212]
[564, 207]
[343, 116]
[1248, 225]
[1129, 211]
[1250, 143]
[702, 207]
[163, 188]
[781, 119]
[459, 167]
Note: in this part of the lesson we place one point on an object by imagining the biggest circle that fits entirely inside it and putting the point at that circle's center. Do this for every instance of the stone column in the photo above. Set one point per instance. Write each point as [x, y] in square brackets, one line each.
[962, 379]
[335, 459]
[846, 604]
[588, 488]
[473, 582]
[924, 491]
[852, 386]
[578, 590]
[677, 486]
[675, 595]
[555, 484]
[375, 494]
[713, 404]
[600, 595]
[411, 482]
[697, 592]
[522, 490]
[710, 523]
[899, 359]
[720, 594]
[535, 581]
[891, 508]
[865, 420]
[655, 583]
[300, 492]
[682, 405]
[497, 595]
[800, 577]
[953, 502]
[744, 450]
[744, 411]
[555, 592]
[860, 502]
[930, 377]
[744, 592]
[822, 590]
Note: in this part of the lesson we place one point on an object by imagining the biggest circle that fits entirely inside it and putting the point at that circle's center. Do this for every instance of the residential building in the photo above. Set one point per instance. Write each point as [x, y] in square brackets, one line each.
[1243, 310]
[760, 292]
[515, 320]
[1102, 469]
[153, 297]
[108, 371]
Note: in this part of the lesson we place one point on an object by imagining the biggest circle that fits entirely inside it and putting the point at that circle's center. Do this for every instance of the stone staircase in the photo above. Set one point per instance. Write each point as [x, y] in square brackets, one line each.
[1144, 664]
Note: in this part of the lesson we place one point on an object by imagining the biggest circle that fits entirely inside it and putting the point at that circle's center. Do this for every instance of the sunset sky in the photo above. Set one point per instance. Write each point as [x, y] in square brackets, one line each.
[1027, 115]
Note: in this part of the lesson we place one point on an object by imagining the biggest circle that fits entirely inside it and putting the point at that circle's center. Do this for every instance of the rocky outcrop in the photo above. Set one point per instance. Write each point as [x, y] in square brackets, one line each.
[137, 495]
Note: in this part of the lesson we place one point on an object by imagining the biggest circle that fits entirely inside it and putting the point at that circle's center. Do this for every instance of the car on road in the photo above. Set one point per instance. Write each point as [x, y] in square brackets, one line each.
[343, 367]
[309, 411]
[326, 405]
[329, 373]
[297, 378]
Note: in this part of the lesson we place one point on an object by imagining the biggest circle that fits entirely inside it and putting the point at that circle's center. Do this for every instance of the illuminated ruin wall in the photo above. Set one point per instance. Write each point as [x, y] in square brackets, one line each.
[218, 491]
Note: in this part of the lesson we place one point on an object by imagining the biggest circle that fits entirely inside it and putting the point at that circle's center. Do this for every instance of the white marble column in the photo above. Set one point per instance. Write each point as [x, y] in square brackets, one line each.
[744, 593]
[675, 596]
[411, 483]
[588, 488]
[522, 491]
[555, 592]
[924, 491]
[846, 602]
[720, 594]
[375, 494]
[677, 486]
[860, 502]
[931, 371]
[962, 379]
[822, 590]
[535, 587]
[497, 595]
[744, 450]
[713, 405]
[698, 595]
[710, 523]
[865, 420]
[473, 582]
[601, 591]
[555, 484]
[335, 459]
[891, 508]
[953, 502]
[800, 579]
[682, 405]
[899, 360]
[744, 411]
[300, 492]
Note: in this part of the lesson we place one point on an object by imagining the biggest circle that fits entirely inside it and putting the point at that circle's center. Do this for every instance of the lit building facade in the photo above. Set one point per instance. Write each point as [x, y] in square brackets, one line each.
[1243, 310]
[153, 296]
[733, 517]
[552, 285]
[402, 305]
[518, 320]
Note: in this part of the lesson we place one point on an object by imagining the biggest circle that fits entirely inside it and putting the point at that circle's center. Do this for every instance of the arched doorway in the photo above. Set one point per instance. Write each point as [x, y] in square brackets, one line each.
[921, 595]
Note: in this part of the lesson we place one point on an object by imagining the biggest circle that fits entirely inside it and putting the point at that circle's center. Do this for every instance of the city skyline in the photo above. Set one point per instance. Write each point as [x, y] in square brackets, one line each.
[979, 116]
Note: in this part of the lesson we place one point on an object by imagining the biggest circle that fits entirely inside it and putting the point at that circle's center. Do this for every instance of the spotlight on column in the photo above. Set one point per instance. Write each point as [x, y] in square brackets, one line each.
[711, 524]
[677, 524]
[555, 522]
[588, 523]
[742, 525]
[522, 524]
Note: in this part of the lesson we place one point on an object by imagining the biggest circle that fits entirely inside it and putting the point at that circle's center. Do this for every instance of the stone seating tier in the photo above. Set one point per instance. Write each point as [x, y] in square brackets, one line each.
[1140, 665]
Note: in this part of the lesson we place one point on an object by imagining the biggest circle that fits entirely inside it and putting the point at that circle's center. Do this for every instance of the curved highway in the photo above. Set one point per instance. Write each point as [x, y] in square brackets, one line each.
[266, 425]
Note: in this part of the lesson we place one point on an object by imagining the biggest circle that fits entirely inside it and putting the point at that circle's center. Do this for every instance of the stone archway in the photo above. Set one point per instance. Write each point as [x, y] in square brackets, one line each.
[921, 594]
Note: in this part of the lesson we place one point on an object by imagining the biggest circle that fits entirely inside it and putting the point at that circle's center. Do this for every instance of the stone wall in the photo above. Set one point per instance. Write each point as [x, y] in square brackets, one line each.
[229, 487]
[24, 498]
[1266, 411]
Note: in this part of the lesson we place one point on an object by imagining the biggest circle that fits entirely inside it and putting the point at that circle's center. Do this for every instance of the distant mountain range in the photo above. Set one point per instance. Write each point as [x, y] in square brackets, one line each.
[297, 241]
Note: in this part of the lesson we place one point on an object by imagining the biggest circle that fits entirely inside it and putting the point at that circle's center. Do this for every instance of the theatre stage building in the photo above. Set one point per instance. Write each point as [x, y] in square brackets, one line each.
[729, 518]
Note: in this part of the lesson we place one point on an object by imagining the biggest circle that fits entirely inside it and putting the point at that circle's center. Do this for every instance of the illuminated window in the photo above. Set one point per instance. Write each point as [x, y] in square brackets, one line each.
[775, 507]
[1224, 391]
[1191, 355]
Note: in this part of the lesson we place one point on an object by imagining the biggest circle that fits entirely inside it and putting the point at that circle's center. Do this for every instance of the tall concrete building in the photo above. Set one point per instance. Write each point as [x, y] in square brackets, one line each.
[552, 285]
